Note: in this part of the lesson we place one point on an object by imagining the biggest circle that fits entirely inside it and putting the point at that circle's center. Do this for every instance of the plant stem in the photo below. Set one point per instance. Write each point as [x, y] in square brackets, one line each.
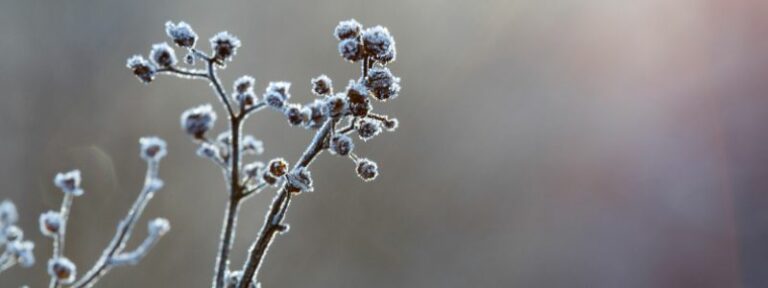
[58, 239]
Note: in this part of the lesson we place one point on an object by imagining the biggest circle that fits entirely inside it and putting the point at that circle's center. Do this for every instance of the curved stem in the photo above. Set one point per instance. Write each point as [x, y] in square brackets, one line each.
[218, 88]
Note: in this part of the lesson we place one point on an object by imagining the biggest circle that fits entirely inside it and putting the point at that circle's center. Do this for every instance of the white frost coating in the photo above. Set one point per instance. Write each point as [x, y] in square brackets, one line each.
[69, 182]
[347, 29]
[377, 41]
[163, 55]
[367, 169]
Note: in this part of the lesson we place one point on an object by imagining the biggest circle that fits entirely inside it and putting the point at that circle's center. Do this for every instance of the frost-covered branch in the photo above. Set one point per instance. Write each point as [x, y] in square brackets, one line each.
[152, 150]
[16, 250]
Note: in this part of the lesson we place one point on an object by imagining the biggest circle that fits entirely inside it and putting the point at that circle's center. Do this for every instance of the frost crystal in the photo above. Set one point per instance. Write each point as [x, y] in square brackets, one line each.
[367, 169]
[347, 29]
[144, 70]
[50, 223]
[224, 46]
[382, 84]
[342, 145]
[162, 55]
[182, 34]
[62, 269]
[197, 121]
[69, 182]
[152, 148]
[322, 85]
[377, 41]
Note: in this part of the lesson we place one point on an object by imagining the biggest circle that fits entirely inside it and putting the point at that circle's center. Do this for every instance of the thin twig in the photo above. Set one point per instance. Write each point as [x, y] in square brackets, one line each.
[124, 229]
[58, 238]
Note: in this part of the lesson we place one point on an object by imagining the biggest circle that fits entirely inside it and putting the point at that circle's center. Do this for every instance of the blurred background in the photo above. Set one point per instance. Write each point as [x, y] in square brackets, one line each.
[541, 143]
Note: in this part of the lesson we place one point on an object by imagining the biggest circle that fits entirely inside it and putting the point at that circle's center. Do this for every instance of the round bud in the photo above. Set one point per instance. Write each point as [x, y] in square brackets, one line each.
[62, 269]
[322, 85]
[162, 55]
[337, 105]
[197, 121]
[277, 93]
[182, 34]
[158, 226]
[144, 70]
[8, 213]
[252, 170]
[342, 144]
[351, 50]
[382, 84]
[251, 145]
[367, 169]
[12, 233]
[293, 114]
[319, 113]
[278, 167]
[299, 180]
[50, 223]
[366, 129]
[377, 41]
[224, 46]
[69, 182]
[347, 29]
[152, 148]
[391, 124]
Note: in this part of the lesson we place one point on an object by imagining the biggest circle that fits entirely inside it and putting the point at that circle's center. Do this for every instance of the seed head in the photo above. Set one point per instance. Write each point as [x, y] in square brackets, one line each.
[69, 182]
[292, 112]
[366, 129]
[322, 85]
[351, 50]
[278, 167]
[152, 148]
[337, 105]
[347, 29]
[367, 169]
[162, 55]
[197, 121]
[50, 223]
[382, 84]
[224, 46]
[62, 269]
[182, 34]
[342, 145]
[144, 70]
[277, 93]
[377, 41]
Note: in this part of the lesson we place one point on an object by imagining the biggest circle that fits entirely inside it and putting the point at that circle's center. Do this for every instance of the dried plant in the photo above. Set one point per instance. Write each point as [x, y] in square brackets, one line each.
[373, 48]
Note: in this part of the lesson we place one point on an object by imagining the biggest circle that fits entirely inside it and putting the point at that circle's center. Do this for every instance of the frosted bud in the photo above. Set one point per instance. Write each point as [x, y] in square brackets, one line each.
[357, 96]
[337, 105]
[50, 223]
[382, 84]
[62, 269]
[152, 148]
[318, 113]
[277, 93]
[208, 150]
[162, 55]
[391, 124]
[252, 170]
[69, 182]
[342, 145]
[292, 113]
[322, 85]
[278, 167]
[377, 41]
[23, 252]
[224, 46]
[351, 50]
[197, 121]
[347, 29]
[182, 34]
[12, 233]
[144, 70]
[366, 129]
[367, 169]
